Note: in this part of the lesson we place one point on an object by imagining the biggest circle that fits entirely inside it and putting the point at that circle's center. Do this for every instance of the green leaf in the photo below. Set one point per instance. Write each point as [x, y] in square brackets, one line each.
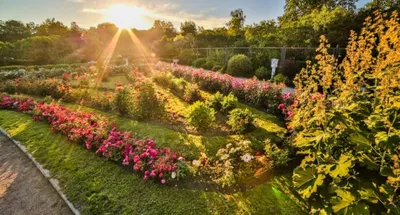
[369, 195]
[342, 167]
[367, 161]
[362, 143]
[307, 180]
[386, 171]
[345, 203]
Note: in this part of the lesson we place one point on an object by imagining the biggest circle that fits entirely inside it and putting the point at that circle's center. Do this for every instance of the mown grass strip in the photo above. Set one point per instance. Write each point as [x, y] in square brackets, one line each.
[97, 186]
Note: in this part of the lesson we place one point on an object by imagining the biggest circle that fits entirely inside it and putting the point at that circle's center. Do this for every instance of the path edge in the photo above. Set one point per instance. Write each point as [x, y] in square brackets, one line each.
[46, 173]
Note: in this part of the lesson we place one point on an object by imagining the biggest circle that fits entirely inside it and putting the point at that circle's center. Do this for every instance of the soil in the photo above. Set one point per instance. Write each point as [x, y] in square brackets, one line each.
[23, 188]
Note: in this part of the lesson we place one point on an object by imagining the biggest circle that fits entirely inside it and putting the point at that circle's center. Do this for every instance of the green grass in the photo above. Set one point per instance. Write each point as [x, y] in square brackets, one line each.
[98, 186]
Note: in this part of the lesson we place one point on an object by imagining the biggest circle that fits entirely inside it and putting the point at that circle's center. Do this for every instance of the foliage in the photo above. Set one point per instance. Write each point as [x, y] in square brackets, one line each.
[240, 120]
[123, 100]
[188, 27]
[263, 73]
[163, 79]
[145, 101]
[229, 103]
[240, 66]
[199, 62]
[216, 68]
[96, 132]
[281, 79]
[201, 116]
[260, 94]
[277, 156]
[186, 57]
[215, 101]
[346, 124]
[191, 93]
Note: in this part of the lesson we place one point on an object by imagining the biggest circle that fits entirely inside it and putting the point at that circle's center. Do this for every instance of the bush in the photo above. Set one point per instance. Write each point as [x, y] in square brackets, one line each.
[145, 101]
[216, 100]
[229, 103]
[201, 116]
[191, 93]
[277, 157]
[186, 57]
[208, 65]
[123, 100]
[199, 62]
[263, 73]
[216, 68]
[240, 66]
[163, 79]
[281, 79]
[240, 120]
[178, 85]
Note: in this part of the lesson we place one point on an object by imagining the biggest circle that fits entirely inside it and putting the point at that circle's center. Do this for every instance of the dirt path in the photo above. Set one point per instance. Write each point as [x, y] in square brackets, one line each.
[23, 189]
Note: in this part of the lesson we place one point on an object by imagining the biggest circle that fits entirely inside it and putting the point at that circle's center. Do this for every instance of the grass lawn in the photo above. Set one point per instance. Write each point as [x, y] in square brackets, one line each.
[98, 186]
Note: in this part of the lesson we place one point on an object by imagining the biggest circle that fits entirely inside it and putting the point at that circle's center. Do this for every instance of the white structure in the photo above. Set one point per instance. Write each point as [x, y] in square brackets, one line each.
[175, 61]
[274, 65]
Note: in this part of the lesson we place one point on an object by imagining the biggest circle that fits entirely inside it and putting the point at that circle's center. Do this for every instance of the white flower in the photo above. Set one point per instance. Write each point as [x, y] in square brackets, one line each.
[247, 157]
[196, 162]
[181, 158]
[173, 175]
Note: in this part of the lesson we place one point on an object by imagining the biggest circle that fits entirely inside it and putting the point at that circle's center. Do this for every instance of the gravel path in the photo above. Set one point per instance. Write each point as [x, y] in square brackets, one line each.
[23, 189]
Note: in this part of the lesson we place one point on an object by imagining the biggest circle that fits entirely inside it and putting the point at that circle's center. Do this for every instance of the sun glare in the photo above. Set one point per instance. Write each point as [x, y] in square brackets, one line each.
[127, 16]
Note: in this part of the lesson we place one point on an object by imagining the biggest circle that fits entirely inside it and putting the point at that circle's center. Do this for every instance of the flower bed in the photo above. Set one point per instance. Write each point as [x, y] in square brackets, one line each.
[257, 93]
[97, 133]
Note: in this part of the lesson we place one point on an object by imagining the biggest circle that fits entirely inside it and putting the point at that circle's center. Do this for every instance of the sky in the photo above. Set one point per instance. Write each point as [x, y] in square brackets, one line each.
[87, 13]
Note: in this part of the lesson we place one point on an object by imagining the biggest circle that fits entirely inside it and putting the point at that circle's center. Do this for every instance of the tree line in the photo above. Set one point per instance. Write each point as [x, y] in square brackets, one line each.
[301, 24]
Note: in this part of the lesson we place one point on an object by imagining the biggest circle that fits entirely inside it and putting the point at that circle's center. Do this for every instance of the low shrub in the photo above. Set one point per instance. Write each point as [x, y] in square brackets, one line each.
[123, 100]
[191, 93]
[263, 73]
[281, 79]
[208, 65]
[216, 100]
[178, 85]
[216, 68]
[145, 102]
[186, 57]
[201, 116]
[240, 66]
[163, 79]
[229, 103]
[199, 62]
[240, 120]
[277, 157]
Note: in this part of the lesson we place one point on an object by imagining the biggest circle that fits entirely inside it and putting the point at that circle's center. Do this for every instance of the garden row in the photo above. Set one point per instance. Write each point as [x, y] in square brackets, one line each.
[95, 132]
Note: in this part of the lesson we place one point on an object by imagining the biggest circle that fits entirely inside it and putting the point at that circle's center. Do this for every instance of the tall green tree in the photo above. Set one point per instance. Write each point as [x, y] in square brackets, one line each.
[236, 24]
[52, 27]
[13, 30]
[188, 27]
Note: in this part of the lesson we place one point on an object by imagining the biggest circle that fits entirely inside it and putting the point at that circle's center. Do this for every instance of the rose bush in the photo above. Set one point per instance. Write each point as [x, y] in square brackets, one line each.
[95, 132]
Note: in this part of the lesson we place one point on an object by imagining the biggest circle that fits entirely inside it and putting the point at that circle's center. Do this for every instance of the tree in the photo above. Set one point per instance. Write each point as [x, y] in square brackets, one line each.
[52, 27]
[236, 24]
[13, 30]
[264, 33]
[188, 27]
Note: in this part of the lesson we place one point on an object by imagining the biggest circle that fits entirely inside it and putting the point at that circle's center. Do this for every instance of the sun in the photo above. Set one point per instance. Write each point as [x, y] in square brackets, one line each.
[127, 16]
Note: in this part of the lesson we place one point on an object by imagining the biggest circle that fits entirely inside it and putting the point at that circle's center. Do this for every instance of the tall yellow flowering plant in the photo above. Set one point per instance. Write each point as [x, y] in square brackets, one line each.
[346, 124]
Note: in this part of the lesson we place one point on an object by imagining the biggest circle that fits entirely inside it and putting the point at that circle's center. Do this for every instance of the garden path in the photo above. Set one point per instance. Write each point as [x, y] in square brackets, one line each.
[23, 189]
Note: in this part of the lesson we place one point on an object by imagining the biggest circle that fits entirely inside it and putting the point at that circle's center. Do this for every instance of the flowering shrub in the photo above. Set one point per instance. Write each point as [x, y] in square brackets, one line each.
[236, 162]
[347, 125]
[215, 101]
[240, 120]
[201, 116]
[260, 94]
[123, 100]
[96, 132]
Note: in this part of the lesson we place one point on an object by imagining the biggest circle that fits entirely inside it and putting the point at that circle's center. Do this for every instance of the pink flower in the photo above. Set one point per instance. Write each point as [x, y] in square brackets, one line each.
[163, 181]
